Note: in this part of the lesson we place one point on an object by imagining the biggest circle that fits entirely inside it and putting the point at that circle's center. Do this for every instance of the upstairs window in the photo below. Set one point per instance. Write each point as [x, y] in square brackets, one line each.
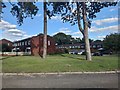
[48, 43]
[94, 46]
[29, 42]
[22, 43]
[25, 42]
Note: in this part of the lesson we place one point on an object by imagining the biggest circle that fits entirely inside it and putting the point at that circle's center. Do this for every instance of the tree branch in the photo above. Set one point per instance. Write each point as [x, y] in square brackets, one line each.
[78, 18]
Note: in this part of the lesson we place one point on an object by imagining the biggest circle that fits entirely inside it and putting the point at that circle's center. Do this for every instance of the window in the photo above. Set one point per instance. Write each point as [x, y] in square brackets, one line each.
[25, 42]
[29, 42]
[82, 46]
[8, 44]
[18, 44]
[94, 46]
[76, 46]
[48, 43]
[15, 44]
[22, 43]
[99, 46]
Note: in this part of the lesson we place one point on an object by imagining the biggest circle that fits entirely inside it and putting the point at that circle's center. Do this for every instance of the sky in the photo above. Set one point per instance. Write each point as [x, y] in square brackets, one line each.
[104, 24]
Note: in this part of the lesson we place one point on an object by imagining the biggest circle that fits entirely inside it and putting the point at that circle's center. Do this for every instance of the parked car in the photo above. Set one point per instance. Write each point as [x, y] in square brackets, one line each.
[97, 54]
[107, 52]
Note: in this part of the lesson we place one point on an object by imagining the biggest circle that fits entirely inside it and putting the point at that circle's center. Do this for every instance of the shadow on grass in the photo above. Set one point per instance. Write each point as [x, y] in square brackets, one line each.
[6, 57]
[73, 57]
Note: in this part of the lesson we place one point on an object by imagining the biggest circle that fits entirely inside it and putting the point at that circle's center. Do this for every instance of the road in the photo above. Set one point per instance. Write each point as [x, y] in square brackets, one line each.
[62, 81]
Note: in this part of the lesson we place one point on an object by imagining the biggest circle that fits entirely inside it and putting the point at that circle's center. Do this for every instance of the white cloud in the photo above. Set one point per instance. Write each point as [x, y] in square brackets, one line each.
[10, 31]
[107, 20]
[77, 36]
[56, 18]
[18, 34]
[101, 37]
[76, 33]
[112, 28]
[6, 25]
[63, 30]
[15, 31]
[69, 32]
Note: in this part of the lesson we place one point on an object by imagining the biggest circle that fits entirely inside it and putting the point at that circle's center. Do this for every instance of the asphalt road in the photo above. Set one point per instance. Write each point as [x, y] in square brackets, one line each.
[62, 81]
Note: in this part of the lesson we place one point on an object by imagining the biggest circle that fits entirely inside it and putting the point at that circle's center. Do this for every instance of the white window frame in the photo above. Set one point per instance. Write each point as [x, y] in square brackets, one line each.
[49, 43]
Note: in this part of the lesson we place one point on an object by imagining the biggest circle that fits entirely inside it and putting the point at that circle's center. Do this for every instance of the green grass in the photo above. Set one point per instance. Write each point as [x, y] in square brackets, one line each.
[58, 63]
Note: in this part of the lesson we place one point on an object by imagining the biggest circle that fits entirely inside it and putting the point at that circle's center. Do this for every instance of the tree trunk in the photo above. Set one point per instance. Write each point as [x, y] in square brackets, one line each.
[86, 37]
[0, 10]
[45, 31]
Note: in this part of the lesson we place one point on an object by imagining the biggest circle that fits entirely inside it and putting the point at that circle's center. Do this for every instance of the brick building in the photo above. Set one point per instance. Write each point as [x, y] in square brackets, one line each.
[7, 42]
[34, 45]
[94, 46]
[37, 45]
[22, 45]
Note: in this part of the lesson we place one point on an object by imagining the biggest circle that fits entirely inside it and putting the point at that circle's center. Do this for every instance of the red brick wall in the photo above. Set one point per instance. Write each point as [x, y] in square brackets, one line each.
[37, 48]
[4, 41]
[51, 48]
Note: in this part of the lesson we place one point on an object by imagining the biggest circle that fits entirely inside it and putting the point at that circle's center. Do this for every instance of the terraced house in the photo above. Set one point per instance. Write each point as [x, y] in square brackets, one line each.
[78, 48]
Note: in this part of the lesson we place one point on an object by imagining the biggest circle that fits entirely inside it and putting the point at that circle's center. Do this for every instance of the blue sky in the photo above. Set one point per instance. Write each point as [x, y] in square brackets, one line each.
[105, 23]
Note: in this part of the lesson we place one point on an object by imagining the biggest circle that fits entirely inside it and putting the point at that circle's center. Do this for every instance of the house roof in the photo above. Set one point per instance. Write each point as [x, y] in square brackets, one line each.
[31, 37]
[6, 40]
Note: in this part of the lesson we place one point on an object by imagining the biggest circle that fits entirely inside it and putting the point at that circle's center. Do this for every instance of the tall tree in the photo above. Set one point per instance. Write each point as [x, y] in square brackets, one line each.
[77, 12]
[45, 30]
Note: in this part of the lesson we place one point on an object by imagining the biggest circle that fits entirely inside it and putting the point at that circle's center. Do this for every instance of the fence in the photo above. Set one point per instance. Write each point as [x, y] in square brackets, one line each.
[15, 53]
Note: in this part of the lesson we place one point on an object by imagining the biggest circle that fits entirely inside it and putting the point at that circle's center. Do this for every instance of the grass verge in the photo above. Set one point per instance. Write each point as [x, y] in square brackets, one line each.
[58, 63]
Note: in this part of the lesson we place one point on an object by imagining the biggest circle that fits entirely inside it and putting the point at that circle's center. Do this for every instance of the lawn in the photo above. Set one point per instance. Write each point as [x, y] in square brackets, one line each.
[58, 63]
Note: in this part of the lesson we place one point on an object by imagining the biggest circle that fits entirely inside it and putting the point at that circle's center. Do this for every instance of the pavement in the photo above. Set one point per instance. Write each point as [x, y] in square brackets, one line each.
[57, 73]
[61, 80]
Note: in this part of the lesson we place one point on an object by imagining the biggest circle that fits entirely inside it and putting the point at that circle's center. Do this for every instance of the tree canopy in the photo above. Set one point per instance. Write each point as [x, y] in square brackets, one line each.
[80, 13]
[61, 38]
[70, 11]
[112, 42]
